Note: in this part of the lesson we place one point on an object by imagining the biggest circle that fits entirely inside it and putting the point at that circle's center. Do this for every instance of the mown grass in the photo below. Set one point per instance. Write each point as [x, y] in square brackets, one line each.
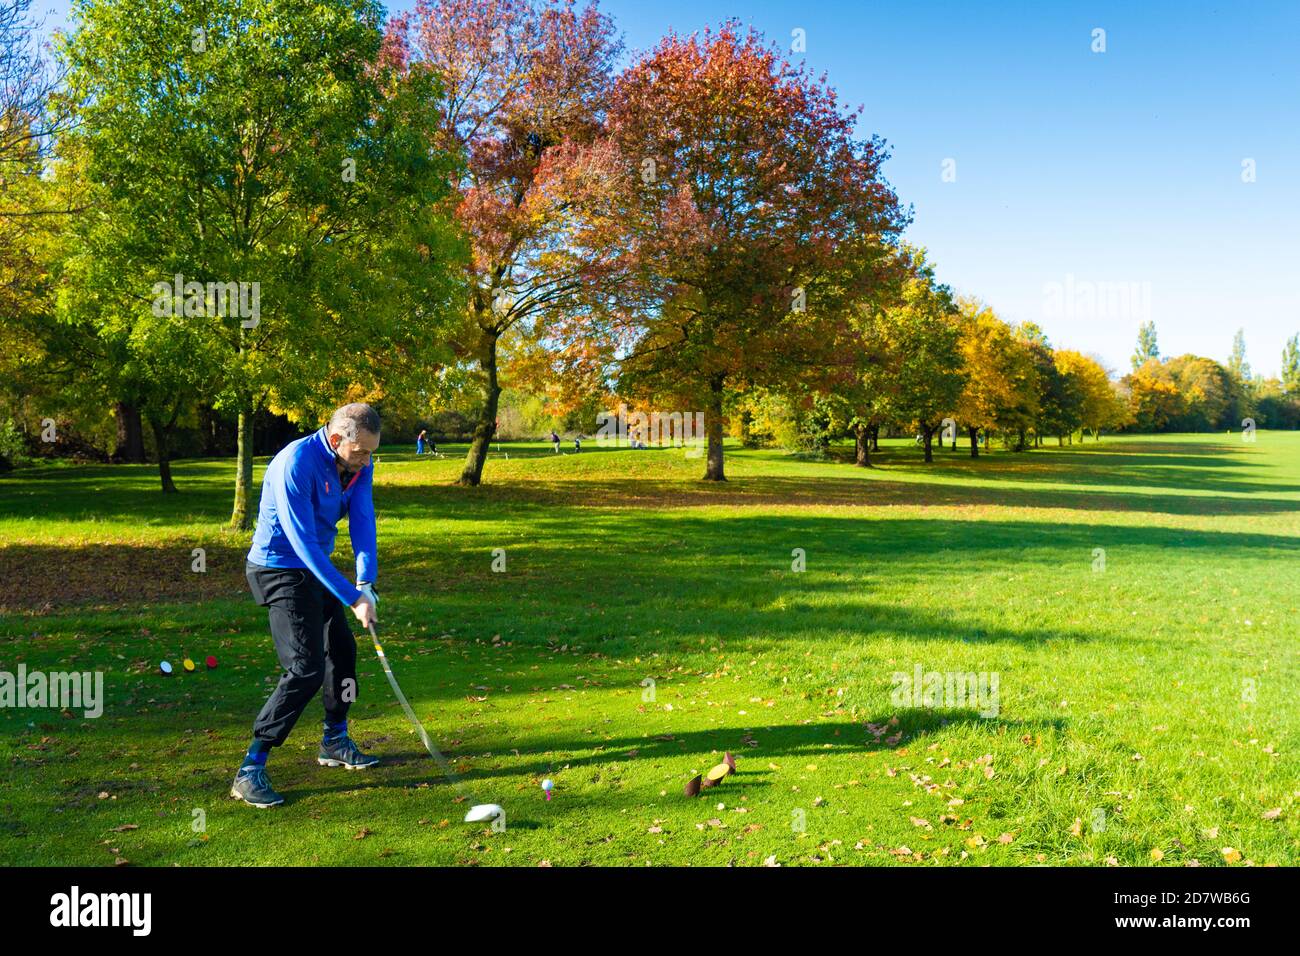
[1145, 710]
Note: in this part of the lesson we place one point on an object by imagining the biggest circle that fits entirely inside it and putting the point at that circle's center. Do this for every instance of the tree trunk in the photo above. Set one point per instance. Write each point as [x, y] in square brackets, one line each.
[929, 442]
[208, 426]
[1020, 440]
[974, 442]
[164, 456]
[713, 470]
[476, 457]
[863, 447]
[875, 438]
[130, 435]
[240, 518]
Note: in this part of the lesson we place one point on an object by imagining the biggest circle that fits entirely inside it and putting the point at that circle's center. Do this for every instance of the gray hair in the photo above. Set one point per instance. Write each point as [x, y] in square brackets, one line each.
[350, 419]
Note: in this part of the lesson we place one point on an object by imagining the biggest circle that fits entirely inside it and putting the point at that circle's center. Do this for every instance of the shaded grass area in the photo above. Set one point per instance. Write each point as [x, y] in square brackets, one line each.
[1133, 597]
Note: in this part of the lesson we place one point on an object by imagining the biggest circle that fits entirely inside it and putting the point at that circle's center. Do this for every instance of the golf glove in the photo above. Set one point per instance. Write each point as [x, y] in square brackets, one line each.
[368, 589]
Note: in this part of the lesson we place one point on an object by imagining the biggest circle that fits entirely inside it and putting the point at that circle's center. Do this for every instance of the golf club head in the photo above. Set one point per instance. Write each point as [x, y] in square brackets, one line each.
[482, 812]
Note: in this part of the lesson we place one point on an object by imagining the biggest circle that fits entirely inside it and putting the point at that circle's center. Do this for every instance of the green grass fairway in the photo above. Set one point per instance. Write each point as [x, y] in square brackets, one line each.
[1149, 711]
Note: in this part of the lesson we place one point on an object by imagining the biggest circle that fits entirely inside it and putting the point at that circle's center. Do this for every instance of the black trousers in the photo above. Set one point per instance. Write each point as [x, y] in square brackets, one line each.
[315, 645]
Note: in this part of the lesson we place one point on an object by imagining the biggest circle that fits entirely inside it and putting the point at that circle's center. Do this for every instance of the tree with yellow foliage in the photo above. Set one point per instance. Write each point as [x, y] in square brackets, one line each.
[999, 371]
[1101, 406]
[1154, 398]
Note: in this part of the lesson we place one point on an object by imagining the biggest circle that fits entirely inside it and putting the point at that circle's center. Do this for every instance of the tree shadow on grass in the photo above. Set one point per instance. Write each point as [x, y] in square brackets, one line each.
[1175, 472]
[128, 492]
[661, 559]
[681, 752]
[728, 576]
[1189, 466]
[51, 578]
[770, 604]
[855, 490]
[54, 577]
[124, 492]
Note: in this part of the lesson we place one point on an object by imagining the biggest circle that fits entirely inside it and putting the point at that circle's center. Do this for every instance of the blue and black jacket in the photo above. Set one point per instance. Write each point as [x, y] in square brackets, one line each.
[302, 502]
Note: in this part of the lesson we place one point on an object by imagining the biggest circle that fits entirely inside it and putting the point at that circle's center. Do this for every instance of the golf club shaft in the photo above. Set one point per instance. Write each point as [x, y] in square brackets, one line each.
[434, 752]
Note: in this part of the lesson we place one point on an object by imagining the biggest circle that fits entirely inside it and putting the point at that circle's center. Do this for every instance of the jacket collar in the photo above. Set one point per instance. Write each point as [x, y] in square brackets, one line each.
[322, 442]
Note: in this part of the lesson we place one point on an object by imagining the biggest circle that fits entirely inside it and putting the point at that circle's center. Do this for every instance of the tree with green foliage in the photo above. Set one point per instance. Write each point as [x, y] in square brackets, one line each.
[1277, 406]
[1146, 347]
[30, 219]
[851, 379]
[1060, 395]
[870, 393]
[922, 336]
[1237, 363]
[264, 151]
[1291, 365]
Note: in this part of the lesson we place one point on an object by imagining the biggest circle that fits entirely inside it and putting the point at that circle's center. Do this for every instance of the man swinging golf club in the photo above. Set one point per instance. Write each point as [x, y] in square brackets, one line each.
[308, 487]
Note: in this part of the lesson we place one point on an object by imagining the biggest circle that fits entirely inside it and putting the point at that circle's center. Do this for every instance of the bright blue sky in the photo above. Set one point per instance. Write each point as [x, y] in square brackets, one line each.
[1072, 167]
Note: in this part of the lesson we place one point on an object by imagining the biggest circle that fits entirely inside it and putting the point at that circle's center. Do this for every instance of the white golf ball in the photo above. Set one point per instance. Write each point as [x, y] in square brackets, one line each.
[547, 785]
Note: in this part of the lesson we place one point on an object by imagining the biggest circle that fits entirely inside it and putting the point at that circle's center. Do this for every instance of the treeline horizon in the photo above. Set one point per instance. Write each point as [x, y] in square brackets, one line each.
[219, 221]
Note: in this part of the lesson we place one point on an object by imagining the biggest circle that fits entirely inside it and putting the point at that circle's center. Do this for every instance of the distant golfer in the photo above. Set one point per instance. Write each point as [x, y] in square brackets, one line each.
[577, 444]
[308, 487]
[555, 440]
[419, 442]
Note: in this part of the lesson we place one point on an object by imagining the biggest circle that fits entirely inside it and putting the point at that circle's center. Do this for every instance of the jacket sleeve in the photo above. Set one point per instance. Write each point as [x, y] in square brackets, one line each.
[361, 526]
[298, 519]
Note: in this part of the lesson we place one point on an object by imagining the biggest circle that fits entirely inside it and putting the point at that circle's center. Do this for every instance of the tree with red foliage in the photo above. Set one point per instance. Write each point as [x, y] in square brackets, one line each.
[526, 85]
[754, 216]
